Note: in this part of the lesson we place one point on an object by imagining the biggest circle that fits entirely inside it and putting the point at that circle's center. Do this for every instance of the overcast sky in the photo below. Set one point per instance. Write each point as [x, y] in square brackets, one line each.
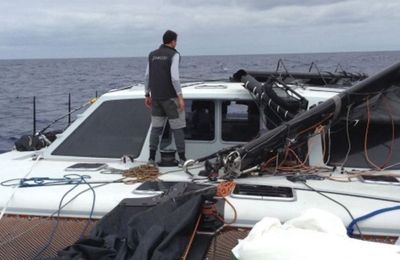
[126, 28]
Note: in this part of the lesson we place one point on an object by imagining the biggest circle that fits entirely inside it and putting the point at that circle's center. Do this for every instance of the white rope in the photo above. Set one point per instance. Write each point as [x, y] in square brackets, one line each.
[3, 211]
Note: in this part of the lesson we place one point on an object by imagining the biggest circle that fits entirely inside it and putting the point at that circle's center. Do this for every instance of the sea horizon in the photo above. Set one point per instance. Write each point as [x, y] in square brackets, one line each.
[201, 55]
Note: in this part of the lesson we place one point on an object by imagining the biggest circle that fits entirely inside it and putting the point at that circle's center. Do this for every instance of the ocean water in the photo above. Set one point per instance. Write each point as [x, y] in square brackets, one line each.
[51, 80]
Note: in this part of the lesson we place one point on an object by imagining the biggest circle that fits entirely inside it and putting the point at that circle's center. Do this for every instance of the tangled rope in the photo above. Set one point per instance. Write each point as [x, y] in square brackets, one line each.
[141, 173]
[224, 189]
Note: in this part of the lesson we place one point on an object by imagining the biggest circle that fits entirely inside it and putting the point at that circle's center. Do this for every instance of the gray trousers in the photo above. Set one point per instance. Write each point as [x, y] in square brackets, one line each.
[179, 136]
[161, 111]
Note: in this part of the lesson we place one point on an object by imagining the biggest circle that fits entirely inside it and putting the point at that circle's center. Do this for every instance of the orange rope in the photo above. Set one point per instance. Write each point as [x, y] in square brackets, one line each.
[301, 164]
[366, 138]
[389, 156]
[321, 130]
[234, 212]
[224, 189]
[315, 125]
[191, 238]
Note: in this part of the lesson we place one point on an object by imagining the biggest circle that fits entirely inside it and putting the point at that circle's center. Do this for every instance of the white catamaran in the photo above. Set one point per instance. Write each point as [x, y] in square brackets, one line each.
[280, 143]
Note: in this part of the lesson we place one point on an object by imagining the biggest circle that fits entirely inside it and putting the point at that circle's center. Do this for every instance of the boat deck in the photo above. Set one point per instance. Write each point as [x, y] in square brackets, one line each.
[23, 237]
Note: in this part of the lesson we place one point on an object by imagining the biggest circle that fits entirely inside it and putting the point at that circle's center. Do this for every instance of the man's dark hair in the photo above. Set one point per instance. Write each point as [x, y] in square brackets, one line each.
[169, 36]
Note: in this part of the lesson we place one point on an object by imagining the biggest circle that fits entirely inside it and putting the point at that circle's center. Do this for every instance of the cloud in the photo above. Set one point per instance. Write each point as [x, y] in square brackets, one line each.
[132, 28]
[250, 4]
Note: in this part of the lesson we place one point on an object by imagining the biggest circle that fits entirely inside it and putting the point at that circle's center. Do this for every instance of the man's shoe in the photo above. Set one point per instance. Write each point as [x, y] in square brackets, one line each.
[151, 162]
[181, 163]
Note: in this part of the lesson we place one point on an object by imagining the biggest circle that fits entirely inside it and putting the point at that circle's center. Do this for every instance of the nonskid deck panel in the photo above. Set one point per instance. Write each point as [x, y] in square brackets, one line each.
[23, 237]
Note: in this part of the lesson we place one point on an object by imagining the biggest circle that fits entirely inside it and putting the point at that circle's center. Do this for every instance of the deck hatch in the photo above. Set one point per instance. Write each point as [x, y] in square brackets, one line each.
[263, 192]
[160, 187]
[380, 179]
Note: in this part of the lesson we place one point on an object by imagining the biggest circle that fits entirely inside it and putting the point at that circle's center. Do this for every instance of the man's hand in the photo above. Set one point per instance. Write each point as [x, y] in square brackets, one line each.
[147, 102]
[181, 103]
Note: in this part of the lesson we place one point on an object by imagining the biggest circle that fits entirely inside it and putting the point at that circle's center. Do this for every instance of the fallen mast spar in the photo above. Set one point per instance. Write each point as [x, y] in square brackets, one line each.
[254, 152]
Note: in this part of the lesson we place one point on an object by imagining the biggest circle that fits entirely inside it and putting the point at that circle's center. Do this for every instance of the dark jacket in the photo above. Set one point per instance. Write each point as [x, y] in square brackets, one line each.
[160, 82]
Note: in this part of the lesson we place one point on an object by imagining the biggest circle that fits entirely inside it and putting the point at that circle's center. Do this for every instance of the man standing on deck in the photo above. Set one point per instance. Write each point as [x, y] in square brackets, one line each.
[163, 95]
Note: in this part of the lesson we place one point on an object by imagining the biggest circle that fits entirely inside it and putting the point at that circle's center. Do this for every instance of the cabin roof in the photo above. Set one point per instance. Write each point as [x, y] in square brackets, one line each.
[220, 90]
[196, 90]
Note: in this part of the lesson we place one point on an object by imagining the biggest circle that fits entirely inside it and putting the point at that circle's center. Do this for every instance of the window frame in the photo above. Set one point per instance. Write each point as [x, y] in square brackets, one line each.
[215, 138]
[220, 120]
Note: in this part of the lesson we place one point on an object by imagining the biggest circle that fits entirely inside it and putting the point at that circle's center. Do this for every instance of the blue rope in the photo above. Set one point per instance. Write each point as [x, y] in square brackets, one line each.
[350, 228]
[46, 181]
[82, 179]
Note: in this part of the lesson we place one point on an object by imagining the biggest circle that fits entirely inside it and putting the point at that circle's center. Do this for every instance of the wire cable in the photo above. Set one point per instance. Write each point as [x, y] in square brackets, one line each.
[55, 212]
[91, 209]
[55, 226]
[337, 202]
[51, 237]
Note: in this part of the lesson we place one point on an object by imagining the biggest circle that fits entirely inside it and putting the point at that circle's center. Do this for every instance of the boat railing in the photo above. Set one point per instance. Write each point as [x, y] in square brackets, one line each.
[33, 115]
[323, 78]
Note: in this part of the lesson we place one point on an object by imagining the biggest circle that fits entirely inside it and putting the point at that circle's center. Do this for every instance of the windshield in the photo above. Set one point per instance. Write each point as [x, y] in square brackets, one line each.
[114, 129]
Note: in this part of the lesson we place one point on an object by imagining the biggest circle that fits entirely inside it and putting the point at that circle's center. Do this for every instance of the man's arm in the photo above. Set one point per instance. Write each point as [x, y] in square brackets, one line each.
[147, 99]
[146, 81]
[175, 74]
[176, 82]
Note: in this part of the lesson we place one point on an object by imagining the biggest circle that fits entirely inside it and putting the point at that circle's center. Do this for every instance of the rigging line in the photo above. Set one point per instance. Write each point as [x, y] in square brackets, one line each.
[280, 61]
[55, 226]
[347, 136]
[352, 195]
[315, 125]
[91, 101]
[319, 72]
[323, 140]
[301, 163]
[366, 138]
[67, 203]
[3, 211]
[391, 166]
[279, 164]
[329, 145]
[339, 66]
[276, 164]
[91, 209]
[337, 202]
[40, 182]
[389, 110]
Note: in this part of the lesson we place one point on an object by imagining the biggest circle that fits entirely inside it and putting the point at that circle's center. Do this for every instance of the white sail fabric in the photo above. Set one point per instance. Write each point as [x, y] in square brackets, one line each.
[314, 235]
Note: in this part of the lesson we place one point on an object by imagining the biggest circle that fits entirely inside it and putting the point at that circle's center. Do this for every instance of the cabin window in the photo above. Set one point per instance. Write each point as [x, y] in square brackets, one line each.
[240, 121]
[200, 118]
[200, 126]
[114, 129]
